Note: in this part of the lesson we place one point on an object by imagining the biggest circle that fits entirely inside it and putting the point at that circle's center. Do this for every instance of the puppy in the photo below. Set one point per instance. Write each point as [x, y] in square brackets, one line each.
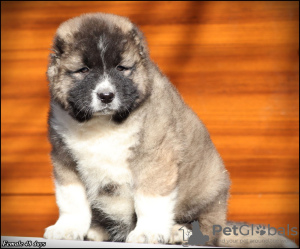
[131, 160]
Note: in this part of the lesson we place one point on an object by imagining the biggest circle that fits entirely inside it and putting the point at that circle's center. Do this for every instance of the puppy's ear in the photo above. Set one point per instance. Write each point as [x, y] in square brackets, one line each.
[140, 40]
[58, 49]
[58, 46]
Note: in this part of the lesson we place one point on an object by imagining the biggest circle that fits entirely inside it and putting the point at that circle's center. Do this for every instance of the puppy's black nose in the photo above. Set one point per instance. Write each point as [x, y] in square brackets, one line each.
[106, 97]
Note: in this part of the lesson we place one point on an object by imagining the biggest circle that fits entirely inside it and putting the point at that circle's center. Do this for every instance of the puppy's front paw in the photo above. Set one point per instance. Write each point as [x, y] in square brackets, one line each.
[97, 234]
[59, 231]
[151, 237]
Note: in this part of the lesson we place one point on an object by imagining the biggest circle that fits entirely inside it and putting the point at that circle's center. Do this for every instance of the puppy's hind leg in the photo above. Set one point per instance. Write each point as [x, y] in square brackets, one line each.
[213, 214]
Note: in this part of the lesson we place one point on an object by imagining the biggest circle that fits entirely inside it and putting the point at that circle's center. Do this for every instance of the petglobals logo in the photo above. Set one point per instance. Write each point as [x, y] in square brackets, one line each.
[252, 234]
[194, 237]
[252, 230]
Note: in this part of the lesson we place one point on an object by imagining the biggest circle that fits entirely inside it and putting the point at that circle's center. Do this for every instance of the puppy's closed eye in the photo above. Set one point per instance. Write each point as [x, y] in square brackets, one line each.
[123, 68]
[82, 70]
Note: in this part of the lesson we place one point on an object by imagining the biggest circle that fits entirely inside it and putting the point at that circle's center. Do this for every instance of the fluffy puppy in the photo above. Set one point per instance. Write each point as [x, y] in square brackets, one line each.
[131, 160]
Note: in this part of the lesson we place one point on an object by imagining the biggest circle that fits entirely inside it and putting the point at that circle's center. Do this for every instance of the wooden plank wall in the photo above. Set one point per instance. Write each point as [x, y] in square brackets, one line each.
[235, 63]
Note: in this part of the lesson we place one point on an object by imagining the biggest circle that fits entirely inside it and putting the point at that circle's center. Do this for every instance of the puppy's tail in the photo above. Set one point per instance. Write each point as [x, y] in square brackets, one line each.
[244, 235]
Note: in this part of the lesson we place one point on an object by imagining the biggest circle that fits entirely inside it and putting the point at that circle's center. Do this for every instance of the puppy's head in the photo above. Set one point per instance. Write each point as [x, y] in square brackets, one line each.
[99, 67]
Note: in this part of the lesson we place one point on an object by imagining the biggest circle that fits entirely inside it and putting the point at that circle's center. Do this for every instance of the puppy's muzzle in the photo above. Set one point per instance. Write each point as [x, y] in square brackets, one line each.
[106, 97]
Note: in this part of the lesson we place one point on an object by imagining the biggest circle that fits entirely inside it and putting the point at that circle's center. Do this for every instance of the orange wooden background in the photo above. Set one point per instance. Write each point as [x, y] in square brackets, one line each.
[235, 63]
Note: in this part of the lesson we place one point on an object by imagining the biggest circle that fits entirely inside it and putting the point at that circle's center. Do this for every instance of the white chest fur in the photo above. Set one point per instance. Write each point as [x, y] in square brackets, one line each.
[101, 149]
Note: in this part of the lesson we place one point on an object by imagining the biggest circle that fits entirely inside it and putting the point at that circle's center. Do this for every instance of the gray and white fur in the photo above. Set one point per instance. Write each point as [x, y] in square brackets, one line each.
[131, 160]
